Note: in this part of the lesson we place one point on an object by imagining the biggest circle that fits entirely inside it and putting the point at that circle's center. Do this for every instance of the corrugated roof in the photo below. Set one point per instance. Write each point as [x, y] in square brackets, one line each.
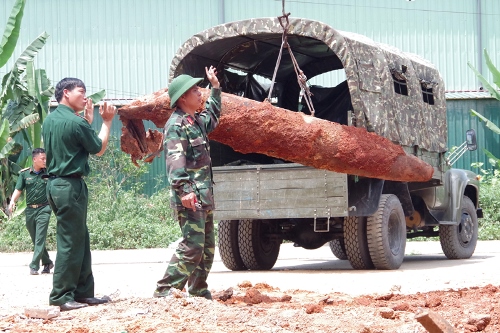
[469, 94]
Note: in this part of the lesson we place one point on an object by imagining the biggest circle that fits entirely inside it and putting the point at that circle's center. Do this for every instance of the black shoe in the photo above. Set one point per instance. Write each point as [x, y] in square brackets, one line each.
[92, 300]
[33, 271]
[72, 305]
[47, 268]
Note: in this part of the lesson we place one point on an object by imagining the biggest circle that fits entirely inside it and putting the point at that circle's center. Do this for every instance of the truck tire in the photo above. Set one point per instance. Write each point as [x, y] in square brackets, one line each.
[386, 231]
[258, 251]
[356, 245]
[459, 241]
[337, 246]
[228, 245]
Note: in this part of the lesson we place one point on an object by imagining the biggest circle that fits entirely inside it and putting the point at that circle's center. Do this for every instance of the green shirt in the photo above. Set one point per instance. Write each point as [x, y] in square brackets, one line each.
[34, 184]
[68, 141]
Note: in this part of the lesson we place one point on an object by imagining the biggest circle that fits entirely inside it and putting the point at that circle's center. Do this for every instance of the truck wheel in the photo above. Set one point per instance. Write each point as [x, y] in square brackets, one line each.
[459, 241]
[228, 245]
[386, 231]
[338, 248]
[356, 245]
[258, 251]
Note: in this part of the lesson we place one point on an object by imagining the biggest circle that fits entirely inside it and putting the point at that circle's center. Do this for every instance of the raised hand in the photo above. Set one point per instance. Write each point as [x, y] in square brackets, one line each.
[212, 76]
[89, 111]
[107, 112]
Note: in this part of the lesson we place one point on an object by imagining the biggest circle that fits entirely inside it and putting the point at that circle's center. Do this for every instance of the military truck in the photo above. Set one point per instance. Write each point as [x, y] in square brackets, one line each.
[262, 201]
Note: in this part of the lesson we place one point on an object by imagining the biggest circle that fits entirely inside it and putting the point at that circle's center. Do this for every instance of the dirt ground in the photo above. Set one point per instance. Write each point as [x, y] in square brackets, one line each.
[265, 308]
[306, 291]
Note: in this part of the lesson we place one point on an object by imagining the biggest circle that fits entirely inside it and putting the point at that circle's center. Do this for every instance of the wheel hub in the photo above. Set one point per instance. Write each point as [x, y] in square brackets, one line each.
[394, 234]
[465, 228]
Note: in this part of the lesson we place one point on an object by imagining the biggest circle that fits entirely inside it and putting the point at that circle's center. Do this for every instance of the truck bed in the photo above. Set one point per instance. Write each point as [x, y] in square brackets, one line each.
[278, 191]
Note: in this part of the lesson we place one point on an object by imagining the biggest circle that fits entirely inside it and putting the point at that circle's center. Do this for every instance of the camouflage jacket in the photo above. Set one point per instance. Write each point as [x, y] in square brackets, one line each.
[187, 153]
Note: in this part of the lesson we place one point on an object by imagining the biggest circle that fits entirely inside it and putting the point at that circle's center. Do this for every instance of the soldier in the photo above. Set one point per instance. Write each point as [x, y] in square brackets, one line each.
[69, 140]
[189, 172]
[37, 209]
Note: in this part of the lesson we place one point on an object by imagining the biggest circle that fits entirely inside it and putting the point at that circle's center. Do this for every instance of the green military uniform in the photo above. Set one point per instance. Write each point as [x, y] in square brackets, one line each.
[37, 213]
[69, 140]
[189, 170]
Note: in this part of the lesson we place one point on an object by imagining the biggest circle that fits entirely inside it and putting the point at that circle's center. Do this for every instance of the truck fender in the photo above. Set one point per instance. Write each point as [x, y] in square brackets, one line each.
[455, 182]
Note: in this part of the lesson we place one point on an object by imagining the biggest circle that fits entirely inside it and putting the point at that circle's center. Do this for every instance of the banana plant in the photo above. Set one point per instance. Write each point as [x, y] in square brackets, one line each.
[24, 101]
[495, 93]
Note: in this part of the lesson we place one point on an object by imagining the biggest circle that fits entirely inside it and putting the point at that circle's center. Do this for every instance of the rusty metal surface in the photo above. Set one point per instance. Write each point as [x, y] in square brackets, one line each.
[259, 127]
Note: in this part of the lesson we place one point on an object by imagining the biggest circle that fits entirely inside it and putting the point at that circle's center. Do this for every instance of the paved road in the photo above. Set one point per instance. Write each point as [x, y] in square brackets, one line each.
[135, 272]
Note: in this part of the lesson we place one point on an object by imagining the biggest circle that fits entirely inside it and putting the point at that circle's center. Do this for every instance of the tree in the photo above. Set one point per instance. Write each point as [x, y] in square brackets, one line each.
[24, 101]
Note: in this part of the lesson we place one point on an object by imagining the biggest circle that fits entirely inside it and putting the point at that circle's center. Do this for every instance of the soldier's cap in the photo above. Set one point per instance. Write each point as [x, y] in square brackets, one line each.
[180, 85]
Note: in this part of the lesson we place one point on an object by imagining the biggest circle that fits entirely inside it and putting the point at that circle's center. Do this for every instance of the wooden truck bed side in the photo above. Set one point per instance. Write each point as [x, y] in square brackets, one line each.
[278, 191]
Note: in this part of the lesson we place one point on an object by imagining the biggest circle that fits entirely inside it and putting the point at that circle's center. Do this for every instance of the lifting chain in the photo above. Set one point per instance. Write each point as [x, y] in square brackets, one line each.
[301, 77]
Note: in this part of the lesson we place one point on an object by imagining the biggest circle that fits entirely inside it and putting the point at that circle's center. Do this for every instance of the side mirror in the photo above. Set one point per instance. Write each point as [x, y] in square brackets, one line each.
[470, 138]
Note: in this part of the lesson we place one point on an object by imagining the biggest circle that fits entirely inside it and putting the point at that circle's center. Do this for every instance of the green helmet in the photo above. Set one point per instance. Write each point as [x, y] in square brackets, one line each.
[180, 85]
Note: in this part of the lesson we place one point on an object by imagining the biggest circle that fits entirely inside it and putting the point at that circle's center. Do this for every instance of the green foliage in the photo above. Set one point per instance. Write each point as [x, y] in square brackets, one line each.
[24, 101]
[11, 32]
[494, 93]
[97, 97]
[489, 225]
[119, 216]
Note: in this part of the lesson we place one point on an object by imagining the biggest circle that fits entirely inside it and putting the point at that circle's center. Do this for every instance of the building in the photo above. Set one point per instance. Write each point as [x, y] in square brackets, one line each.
[126, 46]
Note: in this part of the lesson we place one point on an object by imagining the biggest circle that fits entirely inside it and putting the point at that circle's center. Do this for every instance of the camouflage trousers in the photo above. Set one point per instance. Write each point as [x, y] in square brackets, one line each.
[194, 255]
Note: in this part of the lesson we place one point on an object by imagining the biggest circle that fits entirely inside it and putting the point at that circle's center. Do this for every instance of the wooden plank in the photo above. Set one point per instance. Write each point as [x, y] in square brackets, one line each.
[222, 196]
[235, 186]
[292, 192]
[298, 174]
[232, 214]
[235, 177]
[340, 204]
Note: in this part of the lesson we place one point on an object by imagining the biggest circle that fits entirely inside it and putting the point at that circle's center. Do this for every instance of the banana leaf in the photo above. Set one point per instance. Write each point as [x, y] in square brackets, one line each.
[20, 66]
[495, 93]
[492, 158]
[11, 32]
[6, 148]
[28, 137]
[25, 122]
[5, 145]
[98, 96]
[15, 112]
[30, 78]
[44, 91]
[494, 71]
[31, 51]
[10, 83]
[487, 122]
[37, 134]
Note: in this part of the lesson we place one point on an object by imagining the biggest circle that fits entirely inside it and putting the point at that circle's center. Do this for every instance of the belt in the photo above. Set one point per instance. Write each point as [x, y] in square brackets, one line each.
[38, 206]
[73, 175]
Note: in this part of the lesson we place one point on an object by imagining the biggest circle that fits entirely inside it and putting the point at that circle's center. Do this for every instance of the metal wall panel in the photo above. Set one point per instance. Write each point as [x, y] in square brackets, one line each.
[125, 46]
[460, 120]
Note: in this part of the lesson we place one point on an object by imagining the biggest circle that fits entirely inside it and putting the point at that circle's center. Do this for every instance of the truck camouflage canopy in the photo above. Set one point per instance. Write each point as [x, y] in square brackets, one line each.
[395, 94]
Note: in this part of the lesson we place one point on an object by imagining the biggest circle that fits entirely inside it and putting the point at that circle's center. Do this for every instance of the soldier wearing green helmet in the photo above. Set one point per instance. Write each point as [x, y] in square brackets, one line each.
[189, 170]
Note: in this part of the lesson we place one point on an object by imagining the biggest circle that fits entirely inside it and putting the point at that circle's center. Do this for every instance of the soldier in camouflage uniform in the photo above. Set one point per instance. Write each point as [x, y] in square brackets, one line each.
[189, 171]
[37, 209]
